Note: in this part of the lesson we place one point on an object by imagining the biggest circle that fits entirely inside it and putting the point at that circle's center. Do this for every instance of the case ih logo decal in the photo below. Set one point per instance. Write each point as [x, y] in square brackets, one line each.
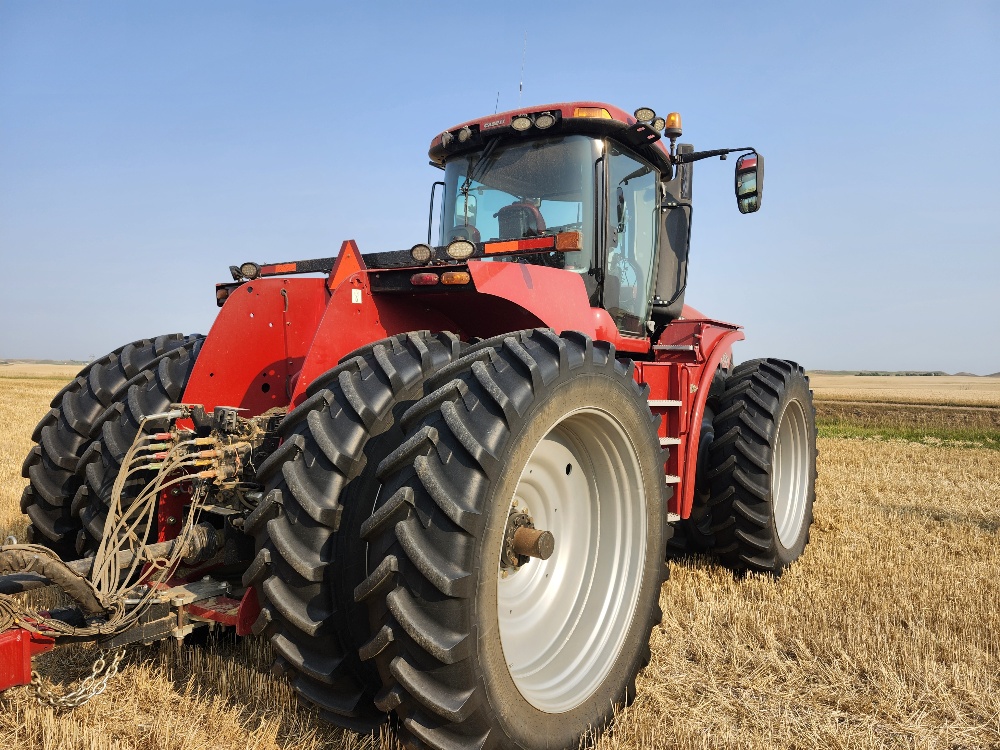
[493, 123]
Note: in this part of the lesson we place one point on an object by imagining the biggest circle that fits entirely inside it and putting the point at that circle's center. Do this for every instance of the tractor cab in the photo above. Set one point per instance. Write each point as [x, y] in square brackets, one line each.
[584, 168]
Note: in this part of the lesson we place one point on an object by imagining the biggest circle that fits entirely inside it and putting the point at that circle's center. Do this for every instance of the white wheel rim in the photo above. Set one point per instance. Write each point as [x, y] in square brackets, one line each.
[563, 621]
[790, 474]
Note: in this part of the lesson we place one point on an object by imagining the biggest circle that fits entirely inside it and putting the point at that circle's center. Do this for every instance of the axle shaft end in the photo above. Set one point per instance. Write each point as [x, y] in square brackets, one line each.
[532, 542]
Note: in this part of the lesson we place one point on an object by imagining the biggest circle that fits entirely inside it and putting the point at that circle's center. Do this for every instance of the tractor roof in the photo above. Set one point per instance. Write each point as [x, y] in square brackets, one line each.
[588, 118]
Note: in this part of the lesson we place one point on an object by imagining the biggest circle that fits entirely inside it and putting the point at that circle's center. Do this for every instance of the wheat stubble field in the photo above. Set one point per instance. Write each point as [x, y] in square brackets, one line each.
[885, 634]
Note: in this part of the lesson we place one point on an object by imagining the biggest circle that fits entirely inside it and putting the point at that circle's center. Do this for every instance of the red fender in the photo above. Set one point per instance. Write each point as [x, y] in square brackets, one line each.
[556, 298]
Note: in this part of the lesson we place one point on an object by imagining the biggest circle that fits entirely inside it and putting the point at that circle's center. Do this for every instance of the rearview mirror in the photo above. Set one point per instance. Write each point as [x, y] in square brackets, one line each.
[749, 182]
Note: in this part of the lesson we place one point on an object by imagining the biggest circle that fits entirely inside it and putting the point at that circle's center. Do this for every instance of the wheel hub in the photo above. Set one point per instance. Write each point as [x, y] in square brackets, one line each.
[522, 541]
[563, 620]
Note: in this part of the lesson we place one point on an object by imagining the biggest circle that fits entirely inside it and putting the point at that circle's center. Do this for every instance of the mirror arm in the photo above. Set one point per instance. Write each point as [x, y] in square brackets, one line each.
[699, 155]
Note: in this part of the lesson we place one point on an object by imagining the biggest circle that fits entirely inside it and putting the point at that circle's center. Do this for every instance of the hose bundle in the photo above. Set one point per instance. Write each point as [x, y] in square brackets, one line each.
[117, 590]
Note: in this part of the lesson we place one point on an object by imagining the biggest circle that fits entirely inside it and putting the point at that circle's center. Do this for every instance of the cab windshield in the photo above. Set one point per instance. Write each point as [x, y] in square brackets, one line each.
[522, 189]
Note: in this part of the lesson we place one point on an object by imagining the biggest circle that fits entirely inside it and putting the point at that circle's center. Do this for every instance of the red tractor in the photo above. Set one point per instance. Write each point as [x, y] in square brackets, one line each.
[442, 481]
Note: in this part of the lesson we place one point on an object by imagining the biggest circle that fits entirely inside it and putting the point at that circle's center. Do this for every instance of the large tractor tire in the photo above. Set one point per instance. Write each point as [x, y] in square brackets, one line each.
[763, 463]
[68, 429]
[151, 391]
[477, 645]
[310, 557]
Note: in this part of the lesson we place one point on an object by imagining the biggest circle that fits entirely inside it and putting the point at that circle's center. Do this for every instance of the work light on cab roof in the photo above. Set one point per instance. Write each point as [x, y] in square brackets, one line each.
[644, 115]
[545, 120]
[520, 123]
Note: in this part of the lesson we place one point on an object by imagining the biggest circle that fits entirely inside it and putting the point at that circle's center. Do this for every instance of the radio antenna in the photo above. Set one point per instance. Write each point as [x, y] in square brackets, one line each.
[497, 107]
[520, 86]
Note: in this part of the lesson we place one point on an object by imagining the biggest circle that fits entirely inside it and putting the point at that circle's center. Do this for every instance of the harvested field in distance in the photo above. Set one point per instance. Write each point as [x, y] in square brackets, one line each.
[940, 389]
[953, 410]
[885, 634]
[972, 426]
[64, 373]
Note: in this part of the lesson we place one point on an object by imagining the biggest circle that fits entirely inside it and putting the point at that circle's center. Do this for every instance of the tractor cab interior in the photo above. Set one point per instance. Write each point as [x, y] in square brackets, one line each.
[524, 189]
[521, 189]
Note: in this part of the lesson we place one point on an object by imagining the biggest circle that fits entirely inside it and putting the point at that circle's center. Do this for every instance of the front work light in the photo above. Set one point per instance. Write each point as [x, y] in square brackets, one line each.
[460, 249]
[521, 123]
[464, 134]
[250, 270]
[544, 120]
[420, 253]
[644, 114]
[658, 124]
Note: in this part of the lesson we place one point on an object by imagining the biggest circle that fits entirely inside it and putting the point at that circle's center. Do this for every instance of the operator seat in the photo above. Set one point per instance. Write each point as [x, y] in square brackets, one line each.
[624, 292]
[464, 232]
[520, 220]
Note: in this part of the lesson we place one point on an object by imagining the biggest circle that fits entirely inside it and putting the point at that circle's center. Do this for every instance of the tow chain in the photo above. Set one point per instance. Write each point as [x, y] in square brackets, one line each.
[92, 685]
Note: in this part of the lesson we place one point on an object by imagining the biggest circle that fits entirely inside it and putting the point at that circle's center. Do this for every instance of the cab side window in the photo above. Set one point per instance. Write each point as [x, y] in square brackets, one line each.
[632, 230]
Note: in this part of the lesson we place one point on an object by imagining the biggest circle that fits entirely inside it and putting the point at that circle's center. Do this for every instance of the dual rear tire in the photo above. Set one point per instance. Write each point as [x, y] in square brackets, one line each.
[763, 467]
[382, 536]
[55, 466]
[410, 603]
[319, 487]
[757, 469]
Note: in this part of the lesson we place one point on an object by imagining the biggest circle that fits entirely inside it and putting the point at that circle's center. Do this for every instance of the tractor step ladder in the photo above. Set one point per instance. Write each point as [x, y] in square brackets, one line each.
[662, 406]
[660, 403]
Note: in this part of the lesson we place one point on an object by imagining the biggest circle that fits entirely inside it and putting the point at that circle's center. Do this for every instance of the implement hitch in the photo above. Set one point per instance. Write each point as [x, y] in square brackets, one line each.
[135, 589]
[173, 607]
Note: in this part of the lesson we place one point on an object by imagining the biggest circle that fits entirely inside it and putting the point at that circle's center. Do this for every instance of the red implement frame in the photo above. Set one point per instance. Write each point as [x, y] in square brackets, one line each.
[17, 646]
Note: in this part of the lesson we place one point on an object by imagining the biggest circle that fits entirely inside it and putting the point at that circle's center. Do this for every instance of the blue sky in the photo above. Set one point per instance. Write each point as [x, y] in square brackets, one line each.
[145, 147]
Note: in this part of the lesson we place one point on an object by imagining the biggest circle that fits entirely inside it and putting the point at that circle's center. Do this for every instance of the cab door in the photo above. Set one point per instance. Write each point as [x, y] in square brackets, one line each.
[633, 223]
